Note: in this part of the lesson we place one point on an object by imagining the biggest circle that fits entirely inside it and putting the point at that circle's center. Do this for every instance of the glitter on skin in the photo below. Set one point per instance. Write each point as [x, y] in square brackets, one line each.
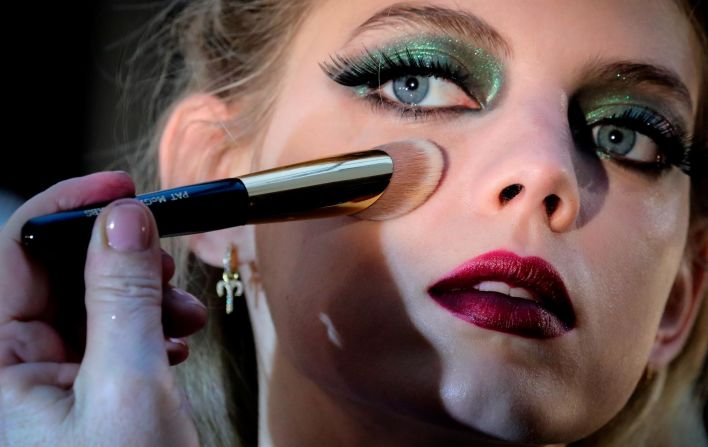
[610, 109]
[361, 90]
[599, 105]
[483, 71]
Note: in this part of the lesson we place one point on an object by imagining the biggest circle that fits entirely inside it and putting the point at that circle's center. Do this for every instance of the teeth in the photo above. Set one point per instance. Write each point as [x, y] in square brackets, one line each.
[520, 292]
[493, 286]
[501, 287]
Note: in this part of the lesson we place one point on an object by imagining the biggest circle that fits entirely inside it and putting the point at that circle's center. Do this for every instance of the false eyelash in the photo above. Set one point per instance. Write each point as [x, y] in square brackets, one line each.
[674, 143]
[375, 69]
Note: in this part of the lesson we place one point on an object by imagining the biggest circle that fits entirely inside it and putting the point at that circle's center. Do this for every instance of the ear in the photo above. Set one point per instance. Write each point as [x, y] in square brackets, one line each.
[682, 306]
[196, 146]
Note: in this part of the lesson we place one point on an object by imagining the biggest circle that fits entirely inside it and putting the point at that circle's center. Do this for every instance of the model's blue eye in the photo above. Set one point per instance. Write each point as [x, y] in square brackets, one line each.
[624, 143]
[411, 89]
[637, 137]
[616, 140]
[427, 77]
[425, 92]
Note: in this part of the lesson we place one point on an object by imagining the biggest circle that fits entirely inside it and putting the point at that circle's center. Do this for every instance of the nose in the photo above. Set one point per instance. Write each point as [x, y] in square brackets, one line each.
[533, 176]
[540, 191]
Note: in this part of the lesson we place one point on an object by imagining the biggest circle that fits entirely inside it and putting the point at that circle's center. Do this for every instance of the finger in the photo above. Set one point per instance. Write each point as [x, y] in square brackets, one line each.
[182, 313]
[168, 267]
[123, 279]
[36, 402]
[177, 350]
[23, 281]
[70, 194]
[17, 380]
[30, 342]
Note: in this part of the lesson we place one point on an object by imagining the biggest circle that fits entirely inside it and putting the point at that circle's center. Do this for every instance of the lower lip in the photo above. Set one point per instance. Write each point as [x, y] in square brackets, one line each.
[499, 312]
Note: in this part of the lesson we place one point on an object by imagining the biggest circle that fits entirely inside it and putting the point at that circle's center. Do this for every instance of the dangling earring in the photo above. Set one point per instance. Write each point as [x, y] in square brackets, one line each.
[230, 283]
[648, 375]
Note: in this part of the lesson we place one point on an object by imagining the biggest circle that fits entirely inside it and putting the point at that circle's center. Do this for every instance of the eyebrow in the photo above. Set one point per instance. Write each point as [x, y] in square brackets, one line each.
[445, 20]
[625, 73]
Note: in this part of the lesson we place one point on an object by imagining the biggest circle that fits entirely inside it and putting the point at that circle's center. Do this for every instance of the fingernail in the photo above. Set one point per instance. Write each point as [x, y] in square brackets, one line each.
[177, 341]
[127, 228]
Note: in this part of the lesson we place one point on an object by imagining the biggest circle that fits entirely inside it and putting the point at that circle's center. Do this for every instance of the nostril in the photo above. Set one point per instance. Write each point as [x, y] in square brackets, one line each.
[510, 192]
[551, 203]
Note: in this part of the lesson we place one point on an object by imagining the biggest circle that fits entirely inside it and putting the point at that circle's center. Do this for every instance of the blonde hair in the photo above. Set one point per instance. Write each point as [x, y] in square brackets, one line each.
[236, 50]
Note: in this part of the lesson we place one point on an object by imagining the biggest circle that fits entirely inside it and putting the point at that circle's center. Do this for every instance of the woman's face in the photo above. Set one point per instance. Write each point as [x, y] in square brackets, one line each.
[558, 97]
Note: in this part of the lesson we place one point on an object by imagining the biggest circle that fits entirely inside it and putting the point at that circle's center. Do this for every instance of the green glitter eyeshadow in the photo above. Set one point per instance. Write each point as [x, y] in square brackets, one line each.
[361, 90]
[597, 105]
[477, 71]
[483, 71]
[642, 113]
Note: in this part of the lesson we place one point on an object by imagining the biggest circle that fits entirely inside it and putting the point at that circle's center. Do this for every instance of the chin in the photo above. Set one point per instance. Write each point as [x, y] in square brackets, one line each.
[514, 416]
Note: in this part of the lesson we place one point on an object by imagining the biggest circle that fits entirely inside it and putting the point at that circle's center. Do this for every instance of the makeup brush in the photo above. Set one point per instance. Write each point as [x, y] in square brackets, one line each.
[378, 184]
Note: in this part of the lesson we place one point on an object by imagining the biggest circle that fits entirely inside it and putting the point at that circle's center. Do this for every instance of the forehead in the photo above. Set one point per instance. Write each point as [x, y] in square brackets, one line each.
[559, 33]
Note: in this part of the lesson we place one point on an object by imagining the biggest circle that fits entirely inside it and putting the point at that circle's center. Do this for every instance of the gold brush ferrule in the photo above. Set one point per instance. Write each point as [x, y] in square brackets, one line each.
[334, 186]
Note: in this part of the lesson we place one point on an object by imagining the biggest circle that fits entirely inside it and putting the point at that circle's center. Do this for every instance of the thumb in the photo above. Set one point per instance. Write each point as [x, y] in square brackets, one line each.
[123, 277]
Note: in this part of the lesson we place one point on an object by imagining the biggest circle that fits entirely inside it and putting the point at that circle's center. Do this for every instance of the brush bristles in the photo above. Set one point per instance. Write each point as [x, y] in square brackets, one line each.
[417, 168]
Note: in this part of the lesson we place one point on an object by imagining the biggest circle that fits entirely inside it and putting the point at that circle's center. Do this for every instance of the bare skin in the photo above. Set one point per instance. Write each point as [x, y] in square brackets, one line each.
[53, 394]
[351, 349]
[402, 370]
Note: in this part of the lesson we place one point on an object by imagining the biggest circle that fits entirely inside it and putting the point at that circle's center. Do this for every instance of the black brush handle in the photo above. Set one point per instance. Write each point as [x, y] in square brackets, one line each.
[190, 209]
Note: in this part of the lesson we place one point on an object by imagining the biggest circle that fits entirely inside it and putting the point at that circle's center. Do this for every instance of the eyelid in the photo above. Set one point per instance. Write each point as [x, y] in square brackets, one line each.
[631, 114]
[672, 141]
[475, 69]
[371, 72]
[410, 66]
[343, 69]
[598, 98]
[414, 113]
[446, 89]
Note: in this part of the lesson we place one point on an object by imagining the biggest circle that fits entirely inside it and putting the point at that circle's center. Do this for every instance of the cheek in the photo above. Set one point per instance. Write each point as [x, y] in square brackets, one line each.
[632, 251]
[309, 123]
[338, 314]
[337, 309]
[635, 246]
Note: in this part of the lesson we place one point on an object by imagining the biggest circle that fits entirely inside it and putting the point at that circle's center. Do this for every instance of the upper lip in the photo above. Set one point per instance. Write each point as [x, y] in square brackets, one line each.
[532, 273]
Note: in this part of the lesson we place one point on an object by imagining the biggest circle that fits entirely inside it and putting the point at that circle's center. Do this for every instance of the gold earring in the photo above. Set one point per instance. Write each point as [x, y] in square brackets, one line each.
[231, 283]
[649, 374]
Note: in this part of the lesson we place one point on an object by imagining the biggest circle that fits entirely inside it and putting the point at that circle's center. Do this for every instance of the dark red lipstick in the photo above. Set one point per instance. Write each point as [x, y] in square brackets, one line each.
[475, 292]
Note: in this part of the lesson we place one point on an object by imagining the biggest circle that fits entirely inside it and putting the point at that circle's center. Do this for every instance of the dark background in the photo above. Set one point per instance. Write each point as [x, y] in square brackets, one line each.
[61, 60]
